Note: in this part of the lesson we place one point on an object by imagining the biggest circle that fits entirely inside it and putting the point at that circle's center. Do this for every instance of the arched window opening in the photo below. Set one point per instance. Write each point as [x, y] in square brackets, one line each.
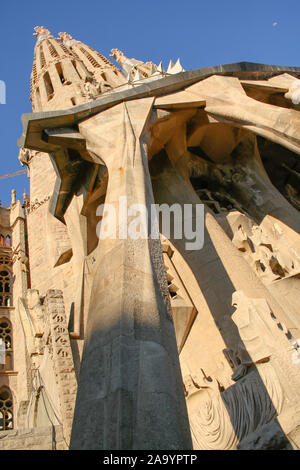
[1, 240]
[6, 409]
[5, 287]
[38, 98]
[48, 85]
[75, 67]
[6, 347]
[75, 54]
[60, 72]
[8, 240]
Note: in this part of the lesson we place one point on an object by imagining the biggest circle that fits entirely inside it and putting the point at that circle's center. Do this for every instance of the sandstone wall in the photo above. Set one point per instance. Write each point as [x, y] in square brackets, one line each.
[46, 438]
[47, 237]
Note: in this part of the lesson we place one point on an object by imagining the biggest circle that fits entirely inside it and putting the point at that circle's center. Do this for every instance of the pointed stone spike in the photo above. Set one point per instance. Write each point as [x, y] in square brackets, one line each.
[137, 77]
[129, 77]
[153, 69]
[160, 67]
[178, 64]
[170, 66]
[176, 68]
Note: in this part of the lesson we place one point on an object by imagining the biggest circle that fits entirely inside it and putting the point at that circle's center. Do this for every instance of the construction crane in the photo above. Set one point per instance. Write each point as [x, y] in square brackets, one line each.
[11, 175]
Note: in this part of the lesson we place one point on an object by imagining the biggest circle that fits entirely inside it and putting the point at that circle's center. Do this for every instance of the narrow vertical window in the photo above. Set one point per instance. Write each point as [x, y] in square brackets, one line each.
[38, 99]
[5, 287]
[75, 67]
[6, 349]
[60, 72]
[6, 409]
[48, 85]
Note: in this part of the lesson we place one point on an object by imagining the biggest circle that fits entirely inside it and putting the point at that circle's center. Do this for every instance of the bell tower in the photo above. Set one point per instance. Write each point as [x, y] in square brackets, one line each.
[67, 73]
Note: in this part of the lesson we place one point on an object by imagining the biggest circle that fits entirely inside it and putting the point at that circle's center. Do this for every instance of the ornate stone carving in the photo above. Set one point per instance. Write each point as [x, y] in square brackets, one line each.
[25, 155]
[209, 419]
[34, 205]
[131, 66]
[62, 357]
[67, 39]
[270, 258]
[92, 90]
[41, 33]
[220, 419]
[253, 331]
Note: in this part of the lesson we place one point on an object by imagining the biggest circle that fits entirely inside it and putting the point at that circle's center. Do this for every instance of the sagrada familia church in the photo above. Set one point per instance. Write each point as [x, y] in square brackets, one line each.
[141, 343]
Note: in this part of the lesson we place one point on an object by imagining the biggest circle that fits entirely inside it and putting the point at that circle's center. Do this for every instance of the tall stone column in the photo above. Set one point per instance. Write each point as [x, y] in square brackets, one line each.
[130, 393]
[62, 357]
[20, 260]
[77, 231]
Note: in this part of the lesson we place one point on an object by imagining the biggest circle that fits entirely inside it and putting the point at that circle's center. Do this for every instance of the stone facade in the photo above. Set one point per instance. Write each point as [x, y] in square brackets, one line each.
[147, 343]
[41, 438]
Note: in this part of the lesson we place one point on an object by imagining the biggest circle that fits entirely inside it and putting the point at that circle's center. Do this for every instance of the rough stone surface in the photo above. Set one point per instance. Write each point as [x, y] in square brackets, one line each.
[41, 438]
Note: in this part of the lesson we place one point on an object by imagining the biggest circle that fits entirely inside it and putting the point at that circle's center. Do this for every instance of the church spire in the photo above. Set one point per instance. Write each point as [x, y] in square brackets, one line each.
[59, 78]
[66, 72]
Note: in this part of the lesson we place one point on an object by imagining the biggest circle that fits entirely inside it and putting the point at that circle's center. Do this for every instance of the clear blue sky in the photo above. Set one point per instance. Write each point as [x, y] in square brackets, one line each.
[201, 33]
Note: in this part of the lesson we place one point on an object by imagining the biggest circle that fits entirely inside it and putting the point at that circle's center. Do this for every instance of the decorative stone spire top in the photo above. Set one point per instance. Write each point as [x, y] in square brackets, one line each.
[175, 68]
[13, 197]
[124, 61]
[26, 199]
[41, 33]
[132, 66]
[66, 39]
